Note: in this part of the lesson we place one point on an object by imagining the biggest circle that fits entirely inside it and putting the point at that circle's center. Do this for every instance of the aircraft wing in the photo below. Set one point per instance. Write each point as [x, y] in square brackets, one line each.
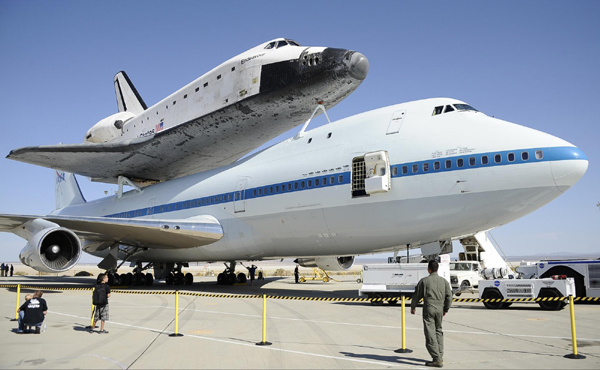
[147, 233]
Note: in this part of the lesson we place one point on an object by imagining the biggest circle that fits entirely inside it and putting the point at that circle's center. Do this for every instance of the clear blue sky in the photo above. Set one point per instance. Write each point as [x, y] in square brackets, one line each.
[535, 63]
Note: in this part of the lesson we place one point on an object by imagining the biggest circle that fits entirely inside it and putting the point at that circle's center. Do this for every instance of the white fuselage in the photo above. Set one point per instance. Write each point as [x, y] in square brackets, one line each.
[270, 205]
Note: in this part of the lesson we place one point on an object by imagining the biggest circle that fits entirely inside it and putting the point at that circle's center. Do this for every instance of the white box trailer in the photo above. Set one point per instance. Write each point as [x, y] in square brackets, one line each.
[391, 280]
[527, 288]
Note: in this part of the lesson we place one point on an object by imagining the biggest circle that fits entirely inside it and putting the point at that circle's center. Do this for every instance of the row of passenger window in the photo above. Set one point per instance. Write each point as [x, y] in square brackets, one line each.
[287, 187]
[296, 185]
[460, 162]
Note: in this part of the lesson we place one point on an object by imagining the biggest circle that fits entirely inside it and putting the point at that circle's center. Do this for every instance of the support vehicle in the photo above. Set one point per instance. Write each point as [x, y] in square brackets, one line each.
[394, 280]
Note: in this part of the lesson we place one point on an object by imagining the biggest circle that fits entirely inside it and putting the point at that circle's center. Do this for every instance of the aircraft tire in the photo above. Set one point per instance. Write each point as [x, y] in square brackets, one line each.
[140, 279]
[221, 279]
[189, 279]
[129, 280]
[170, 279]
[179, 278]
[231, 279]
[241, 278]
[149, 279]
[124, 280]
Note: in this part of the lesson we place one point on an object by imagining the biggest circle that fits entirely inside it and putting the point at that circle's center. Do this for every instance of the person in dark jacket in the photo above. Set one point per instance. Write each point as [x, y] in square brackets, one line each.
[34, 312]
[437, 298]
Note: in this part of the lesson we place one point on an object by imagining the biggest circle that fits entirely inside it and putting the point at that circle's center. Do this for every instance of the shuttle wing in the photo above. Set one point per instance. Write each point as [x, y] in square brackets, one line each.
[203, 144]
[161, 234]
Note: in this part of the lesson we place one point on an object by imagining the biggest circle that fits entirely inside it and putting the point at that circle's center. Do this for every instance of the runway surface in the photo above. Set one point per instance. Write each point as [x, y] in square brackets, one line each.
[223, 332]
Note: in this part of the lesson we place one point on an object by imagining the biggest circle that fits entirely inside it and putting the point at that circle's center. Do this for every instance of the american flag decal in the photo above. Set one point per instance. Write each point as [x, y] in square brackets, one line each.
[159, 127]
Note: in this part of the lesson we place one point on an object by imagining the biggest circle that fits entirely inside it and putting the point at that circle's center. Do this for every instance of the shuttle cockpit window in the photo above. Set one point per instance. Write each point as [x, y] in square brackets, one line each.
[292, 42]
[281, 44]
[465, 107]
[271, 45]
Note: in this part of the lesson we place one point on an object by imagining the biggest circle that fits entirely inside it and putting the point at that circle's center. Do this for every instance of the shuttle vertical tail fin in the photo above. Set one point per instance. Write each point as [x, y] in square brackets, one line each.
[128, 98]
[67, 190]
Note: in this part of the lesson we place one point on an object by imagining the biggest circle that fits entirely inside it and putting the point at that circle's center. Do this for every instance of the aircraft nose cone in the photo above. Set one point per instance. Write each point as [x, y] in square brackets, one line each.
[572, 166]
[359, 66]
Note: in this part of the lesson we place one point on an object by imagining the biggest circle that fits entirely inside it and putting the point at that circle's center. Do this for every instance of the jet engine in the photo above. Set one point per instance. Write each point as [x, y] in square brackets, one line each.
[327, 263]
[108, 128]
[54, 249]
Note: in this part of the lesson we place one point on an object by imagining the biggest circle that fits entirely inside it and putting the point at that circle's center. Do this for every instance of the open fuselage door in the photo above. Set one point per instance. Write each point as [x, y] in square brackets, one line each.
[371, 174]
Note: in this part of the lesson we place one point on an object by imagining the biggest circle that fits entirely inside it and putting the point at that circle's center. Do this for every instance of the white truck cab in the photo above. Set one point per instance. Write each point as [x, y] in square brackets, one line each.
[464, 276]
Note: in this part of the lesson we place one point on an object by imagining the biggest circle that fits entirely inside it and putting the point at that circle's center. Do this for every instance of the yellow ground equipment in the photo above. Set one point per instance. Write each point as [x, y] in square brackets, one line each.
[318, 274]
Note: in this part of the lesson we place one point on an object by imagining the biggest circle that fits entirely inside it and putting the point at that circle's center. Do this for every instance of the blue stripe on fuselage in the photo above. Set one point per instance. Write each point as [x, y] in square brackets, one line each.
[344, 178]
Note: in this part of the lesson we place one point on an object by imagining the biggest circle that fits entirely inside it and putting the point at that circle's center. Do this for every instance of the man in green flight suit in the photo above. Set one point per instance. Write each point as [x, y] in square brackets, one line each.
[437, 297]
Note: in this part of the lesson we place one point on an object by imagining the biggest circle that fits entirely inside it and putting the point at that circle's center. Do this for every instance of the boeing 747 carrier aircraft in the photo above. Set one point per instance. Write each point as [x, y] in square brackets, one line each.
[412, 175]
[211, 122]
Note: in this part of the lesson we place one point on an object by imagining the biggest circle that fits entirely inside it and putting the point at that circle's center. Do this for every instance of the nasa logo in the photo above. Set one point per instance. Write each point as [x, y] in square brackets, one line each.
[496, 283]
[542, 265]
[60, 177]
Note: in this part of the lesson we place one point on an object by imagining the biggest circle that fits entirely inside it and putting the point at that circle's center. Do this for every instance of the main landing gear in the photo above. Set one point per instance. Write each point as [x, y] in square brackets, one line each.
[228, 276]
[137, 278]
[176, 277]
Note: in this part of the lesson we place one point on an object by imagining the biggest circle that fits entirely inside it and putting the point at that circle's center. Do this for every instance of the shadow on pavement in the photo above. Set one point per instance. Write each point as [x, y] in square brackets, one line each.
[393, 358]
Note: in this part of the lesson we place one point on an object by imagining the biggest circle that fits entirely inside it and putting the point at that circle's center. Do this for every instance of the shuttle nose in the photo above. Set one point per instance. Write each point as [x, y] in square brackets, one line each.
[569, 164]
[359, 66]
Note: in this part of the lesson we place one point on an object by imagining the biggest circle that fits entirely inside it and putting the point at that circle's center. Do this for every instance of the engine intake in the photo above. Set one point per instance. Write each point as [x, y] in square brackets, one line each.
[52, 250]
[327, 263]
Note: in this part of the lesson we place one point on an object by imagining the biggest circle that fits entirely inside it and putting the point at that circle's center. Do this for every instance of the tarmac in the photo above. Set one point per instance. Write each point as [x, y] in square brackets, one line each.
[223, 332]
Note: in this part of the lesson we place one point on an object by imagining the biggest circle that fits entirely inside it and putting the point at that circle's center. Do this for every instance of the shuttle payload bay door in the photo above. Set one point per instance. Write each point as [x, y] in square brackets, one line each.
[239, 198]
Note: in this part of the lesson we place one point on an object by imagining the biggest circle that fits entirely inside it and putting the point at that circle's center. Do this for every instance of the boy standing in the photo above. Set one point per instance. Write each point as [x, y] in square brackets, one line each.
[100, 301]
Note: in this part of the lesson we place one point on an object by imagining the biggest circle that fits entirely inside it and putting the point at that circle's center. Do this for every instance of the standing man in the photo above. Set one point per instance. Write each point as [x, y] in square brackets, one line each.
[252, 271]
[437, 297]
[296, 274]
[100, 301]
[2, 269]
[12, 269]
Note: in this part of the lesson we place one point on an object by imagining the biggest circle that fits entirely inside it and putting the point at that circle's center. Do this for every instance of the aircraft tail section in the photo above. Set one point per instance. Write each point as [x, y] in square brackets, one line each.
[128, 98]
[67, 190]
